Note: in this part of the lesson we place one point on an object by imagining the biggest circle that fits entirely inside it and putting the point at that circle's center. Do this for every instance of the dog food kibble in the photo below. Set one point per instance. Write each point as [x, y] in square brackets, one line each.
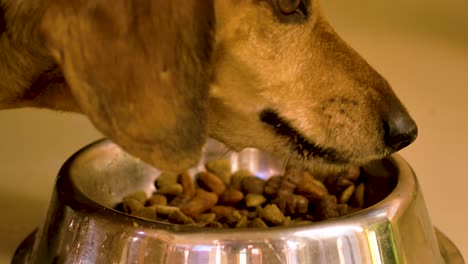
[157, 199]
[218, 198]
[292, 204]
[206, 218]
[231, 196]
[221, 168]
[139, 196]
[187, 184]
[222, 210]
[312, 190]
[177, 217]
[359, 195]
[343, 209]
[254, 200]
[243, 222]
[252, 185]
[201, 202]
[211, 182]
[346, 195]
[173, 189]
[257, 222]
[146, 212]
[272, 214]
[272, 185]
[236, 178]
[165, 210]
[131, 205]
[166, 179]
[180, 200]
[328, 207]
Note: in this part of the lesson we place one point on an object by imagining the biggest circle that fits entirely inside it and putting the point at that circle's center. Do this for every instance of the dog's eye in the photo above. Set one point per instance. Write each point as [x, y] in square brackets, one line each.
[289, 7]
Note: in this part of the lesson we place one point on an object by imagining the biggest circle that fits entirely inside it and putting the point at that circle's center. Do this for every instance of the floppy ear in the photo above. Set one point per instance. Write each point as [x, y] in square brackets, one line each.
[139, 70]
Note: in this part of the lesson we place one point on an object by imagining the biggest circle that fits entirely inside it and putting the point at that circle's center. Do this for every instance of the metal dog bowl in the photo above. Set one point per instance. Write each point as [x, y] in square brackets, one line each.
[82, 227]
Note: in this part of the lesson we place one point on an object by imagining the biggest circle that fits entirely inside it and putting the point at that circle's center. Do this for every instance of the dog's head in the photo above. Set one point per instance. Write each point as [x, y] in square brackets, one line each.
[157, 77]
[286, 83]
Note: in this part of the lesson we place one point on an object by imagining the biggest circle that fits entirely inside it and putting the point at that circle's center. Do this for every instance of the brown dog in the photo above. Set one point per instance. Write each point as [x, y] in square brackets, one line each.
[158, 77]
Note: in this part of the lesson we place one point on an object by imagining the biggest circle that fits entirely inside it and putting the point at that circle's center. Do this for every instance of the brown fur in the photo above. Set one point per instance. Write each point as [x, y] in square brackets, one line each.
[158, 77]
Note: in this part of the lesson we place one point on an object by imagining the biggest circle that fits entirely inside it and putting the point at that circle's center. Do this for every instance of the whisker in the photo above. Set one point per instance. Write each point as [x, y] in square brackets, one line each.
[226, 152]
[286, 163]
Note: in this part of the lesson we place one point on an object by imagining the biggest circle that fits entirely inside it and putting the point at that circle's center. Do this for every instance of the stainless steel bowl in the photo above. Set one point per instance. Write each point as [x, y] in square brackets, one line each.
[82, 227]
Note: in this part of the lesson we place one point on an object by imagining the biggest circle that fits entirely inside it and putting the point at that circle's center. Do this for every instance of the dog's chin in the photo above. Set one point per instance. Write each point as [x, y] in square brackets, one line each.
[302, 152]
[320, 165]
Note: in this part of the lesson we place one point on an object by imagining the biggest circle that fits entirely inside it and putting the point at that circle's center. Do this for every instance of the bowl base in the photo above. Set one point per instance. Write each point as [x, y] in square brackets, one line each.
[449, 251]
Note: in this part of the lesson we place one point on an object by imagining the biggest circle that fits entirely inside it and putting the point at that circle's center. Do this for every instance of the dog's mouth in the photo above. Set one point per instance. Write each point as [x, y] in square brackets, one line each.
[299, 143]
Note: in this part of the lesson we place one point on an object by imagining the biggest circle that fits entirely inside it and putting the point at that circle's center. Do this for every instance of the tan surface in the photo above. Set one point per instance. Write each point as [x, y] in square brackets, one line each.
[420, 46]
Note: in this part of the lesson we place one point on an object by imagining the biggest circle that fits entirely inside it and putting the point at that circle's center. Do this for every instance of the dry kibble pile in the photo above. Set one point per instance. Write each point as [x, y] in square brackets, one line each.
[219, 198]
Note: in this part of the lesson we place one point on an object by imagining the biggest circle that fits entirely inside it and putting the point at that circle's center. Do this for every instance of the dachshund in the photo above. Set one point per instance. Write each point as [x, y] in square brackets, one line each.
[159, 77]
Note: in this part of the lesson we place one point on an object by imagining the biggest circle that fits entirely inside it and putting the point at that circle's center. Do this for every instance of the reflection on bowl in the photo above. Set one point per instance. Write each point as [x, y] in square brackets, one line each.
[82, 227]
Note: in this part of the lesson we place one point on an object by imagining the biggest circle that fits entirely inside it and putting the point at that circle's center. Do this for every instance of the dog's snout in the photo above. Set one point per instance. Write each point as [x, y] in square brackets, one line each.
[400, 131]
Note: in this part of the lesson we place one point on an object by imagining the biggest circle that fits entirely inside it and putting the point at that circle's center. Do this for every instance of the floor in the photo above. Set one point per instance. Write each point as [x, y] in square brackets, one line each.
[423, 52]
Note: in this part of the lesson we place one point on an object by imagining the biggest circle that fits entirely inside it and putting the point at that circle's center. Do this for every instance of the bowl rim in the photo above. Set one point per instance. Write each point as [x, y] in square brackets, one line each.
[72, 196]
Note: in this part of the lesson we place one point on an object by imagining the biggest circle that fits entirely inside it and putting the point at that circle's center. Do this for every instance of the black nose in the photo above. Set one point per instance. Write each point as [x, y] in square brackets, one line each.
[400, 131]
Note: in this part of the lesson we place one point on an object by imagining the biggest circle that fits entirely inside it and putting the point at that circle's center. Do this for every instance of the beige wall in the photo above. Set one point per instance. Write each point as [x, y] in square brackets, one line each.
[442, 19]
